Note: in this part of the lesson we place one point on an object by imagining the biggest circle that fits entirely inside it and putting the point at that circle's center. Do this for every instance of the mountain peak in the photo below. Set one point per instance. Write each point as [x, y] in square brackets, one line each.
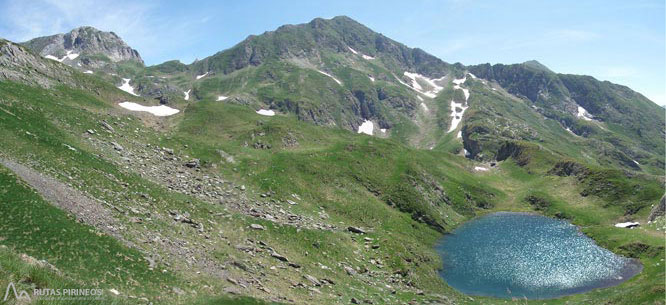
[95, 46]
[536, 65]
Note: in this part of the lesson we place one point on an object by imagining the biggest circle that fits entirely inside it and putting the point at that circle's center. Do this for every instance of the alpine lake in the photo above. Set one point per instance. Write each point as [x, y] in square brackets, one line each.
[521, 255]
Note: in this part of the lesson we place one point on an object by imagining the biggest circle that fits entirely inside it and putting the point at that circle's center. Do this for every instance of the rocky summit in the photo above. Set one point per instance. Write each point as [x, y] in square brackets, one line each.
[316, 163]
[84, 47]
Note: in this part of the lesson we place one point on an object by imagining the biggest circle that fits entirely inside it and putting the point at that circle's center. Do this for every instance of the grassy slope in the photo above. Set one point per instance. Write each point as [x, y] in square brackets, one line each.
[44, 126]
[351, 177]
[87, 258]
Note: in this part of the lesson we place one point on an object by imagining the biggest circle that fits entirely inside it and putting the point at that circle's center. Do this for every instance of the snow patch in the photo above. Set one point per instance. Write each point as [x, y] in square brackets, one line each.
[480, 169]
[127, 87]
[382, 130]
[419, 98]
[266, 112]
[459, 136]
[371, 78]
[161, 110]
[636, 162]
[222, 98]
[366, 127]
[456, 116]
[627, 224]
[202, 75]
[51, 57]
[583, 114]
[71, 56]
[434, 88]
[187, 94]
[331, 76]
[571, 131]
[88, 72]
[456, 85]
[425, 107]
[415, 84]
[367, 57]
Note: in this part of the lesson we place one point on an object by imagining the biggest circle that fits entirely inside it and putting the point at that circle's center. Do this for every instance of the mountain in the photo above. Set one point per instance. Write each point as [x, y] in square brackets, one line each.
[338, 72]
[242, 177]
[85, 47]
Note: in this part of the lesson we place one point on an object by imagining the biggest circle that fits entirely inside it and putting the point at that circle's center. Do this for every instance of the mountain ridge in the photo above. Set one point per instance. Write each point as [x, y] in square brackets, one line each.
[349, 74]
[85, 47]
[314, 176]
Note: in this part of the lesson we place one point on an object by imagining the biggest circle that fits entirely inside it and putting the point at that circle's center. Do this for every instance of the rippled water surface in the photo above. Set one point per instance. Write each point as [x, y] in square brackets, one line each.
[523, 255]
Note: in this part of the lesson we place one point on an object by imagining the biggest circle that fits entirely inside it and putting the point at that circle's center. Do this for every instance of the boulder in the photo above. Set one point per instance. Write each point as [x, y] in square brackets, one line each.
[257, 226]
[194, 163]
[356, 230]
[658, 210]
[107, 127]
[279, 257]
[117, 146]
[312, 280]
[163, 100]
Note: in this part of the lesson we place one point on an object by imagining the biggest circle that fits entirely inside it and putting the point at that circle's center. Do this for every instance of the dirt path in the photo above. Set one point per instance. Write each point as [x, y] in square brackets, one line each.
[96, 213]
[86, 209]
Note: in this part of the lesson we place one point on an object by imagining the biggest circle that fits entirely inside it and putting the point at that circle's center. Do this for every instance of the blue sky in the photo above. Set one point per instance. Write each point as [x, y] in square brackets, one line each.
[619, 41]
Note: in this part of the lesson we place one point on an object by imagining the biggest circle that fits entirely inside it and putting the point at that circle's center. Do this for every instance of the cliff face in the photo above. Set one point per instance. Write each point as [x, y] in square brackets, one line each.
[658, 210]
[86, 46]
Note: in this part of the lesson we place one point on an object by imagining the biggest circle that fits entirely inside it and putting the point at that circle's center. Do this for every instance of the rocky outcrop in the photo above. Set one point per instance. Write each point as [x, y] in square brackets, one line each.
[85, 40]
[20, 65]
[568, 168]
[658, 210]
[513, 150]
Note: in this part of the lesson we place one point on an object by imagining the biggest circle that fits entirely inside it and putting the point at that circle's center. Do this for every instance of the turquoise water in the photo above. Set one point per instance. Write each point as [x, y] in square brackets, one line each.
[523, 255]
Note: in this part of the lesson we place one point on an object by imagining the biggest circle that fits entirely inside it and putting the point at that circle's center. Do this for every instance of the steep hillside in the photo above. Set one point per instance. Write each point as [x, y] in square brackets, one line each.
[248, 176]
[622, 127]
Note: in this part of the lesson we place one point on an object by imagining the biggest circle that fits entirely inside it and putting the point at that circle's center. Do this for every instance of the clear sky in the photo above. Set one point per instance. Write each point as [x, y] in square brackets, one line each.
[619, 41]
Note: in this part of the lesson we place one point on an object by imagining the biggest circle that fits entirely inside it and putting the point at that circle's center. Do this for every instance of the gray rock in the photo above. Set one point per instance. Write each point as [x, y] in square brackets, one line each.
[233, 281]
[294, 265]
[107, 127]
[356, 230]
[279, 257]
[658, 210]
[117, 146]
[151, 262]
[178, 291]
[312, 280]
[164, 100]
[257, 226]
[350, 270]
[194, 163]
